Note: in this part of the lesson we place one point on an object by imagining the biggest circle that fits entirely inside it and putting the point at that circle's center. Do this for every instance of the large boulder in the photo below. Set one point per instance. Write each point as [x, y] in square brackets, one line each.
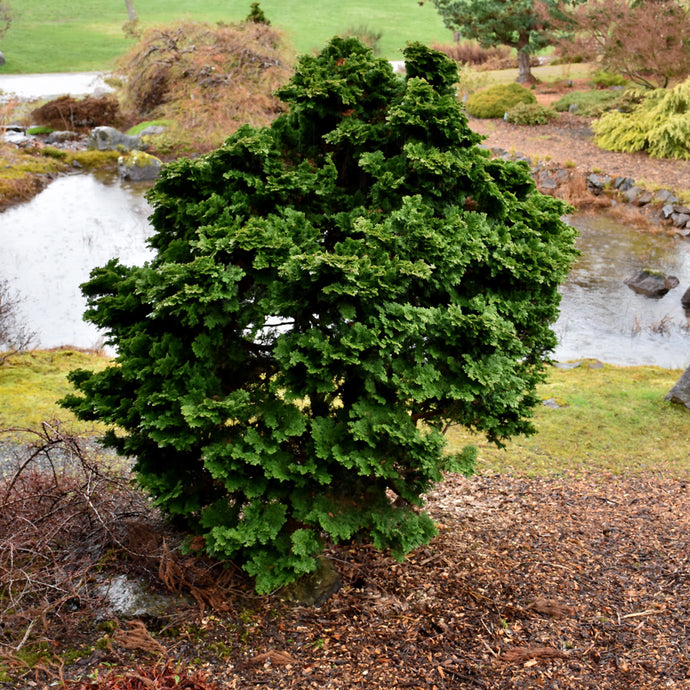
[651, 283]
[137, 166]
[680, 393]
[111, 139]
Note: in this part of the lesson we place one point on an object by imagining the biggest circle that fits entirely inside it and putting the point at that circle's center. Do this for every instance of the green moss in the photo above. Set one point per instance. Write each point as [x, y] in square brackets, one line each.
[610, 418]
[93, 159]
[41, 129]
[31, 384]
[138, 129]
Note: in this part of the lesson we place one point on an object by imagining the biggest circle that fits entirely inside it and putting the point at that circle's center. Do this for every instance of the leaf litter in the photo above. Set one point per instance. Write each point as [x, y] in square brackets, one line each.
[559, 582]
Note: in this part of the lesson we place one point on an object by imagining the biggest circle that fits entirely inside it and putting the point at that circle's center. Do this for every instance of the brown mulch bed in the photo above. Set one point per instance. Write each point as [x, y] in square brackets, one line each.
[570, 139]
[567, 582]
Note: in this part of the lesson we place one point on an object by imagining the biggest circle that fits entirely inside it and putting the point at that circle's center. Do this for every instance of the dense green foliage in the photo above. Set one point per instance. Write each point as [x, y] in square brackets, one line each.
[602, 79]
[530, 114]
[497, 100]
[329, 294]
[659, 125]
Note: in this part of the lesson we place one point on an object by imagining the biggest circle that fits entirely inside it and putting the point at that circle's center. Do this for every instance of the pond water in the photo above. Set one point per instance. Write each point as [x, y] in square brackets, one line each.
[51, 243]
[29, 87]
[602, 318]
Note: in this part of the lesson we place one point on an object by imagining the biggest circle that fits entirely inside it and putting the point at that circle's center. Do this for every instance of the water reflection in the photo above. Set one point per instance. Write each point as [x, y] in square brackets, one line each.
[603, 318]
[51, 244]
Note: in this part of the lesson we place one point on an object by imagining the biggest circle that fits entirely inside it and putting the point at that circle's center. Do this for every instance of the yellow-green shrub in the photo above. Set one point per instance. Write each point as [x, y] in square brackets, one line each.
[530, 114]
[659, 125]
[497, 100]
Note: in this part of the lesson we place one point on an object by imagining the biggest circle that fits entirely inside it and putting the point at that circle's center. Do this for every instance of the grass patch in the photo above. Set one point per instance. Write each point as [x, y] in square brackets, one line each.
[23, 171]
[22, 174]
[612, 419]
[54, 36]
[33, 382]
[591, 103]
[137, 129]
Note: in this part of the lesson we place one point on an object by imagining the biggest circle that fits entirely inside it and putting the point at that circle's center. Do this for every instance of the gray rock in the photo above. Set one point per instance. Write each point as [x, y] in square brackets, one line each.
[151, 130]
[110, 139]
[60, 136]
[631, 194]
[127, 598]
[547, 182]
[138, 166]
[554, 404]
[680, 220]
[2, 59]
[685, 300]
[568, 365]
[651, 283]
[314, 588]
[623, 184]
[597, 183]
[680, 393]
[562, 176]
[644, 199]
[667, 211]
[664, 196]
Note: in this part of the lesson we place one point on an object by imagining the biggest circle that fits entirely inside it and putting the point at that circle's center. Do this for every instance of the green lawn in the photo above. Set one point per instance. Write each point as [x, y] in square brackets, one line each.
[83, 35]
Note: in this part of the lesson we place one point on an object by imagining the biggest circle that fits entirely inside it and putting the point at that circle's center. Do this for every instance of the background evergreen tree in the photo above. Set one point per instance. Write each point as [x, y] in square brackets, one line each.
[328, 294]
[519, 24]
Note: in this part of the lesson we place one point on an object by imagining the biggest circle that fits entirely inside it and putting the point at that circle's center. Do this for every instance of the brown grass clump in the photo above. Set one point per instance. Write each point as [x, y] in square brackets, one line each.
[208, 80]
[471, 53]
[78, 115]
[577, 194]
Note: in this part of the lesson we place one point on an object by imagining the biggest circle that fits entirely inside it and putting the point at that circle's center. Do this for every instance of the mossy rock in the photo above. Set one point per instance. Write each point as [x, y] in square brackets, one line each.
[137, 166]
[497, 100]
[313, 589]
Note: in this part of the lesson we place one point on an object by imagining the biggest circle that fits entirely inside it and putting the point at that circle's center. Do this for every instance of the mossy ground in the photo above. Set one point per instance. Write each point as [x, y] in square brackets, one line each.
[32, 383]
[609, 418]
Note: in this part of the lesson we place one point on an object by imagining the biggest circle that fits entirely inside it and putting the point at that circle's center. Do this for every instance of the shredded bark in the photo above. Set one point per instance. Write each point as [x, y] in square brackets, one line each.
[566, 582]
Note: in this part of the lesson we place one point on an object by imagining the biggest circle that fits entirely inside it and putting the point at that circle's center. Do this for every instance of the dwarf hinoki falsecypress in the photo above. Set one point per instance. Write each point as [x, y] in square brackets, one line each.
[328, 294]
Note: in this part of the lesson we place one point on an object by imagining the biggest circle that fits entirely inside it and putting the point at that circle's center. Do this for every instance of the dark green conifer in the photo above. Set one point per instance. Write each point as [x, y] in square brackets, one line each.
[328, 294]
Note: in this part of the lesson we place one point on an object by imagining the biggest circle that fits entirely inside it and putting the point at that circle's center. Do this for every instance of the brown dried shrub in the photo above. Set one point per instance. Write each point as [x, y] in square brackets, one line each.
[471, 53]
[209, 80]
[69, 113]
[61, 509]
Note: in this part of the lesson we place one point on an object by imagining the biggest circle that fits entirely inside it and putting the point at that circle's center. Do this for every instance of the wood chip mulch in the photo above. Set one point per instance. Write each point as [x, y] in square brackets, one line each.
[568, 582]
